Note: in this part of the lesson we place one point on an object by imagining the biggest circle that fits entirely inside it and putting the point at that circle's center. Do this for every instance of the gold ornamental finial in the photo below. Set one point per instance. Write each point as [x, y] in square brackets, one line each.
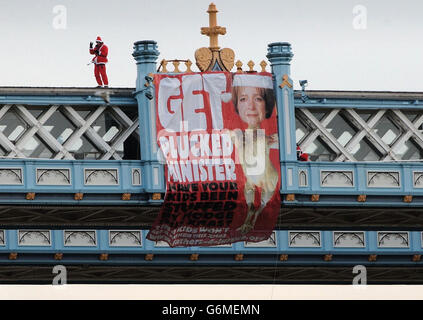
[213, 30]
[188, 63]
[263, 65]
[213, 58]
[250, 64]
[238, 66]
[164, 64]
[176, 65]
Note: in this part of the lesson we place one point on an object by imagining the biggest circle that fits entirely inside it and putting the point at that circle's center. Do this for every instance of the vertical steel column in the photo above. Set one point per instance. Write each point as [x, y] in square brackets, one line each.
[146, 54]
[280, 56]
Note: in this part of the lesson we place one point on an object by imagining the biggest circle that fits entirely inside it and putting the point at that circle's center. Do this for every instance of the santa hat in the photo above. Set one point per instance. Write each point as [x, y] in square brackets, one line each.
[248, 80]
[252, 80]
[98, 39]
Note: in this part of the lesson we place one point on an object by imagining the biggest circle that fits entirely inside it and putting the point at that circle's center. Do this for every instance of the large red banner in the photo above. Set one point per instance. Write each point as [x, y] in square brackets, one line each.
[217, 134]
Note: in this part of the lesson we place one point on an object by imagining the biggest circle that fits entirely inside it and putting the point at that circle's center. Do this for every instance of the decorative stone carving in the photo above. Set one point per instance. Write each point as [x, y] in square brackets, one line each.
[213, 58]
[80, 238]
[336, 179]
[10, 176]
[302, 178]
[136, 177]
[392, 240]
[101, 177]
[53, 176]
[34, 238]
[125, 238]
[383, 179]
[348, 239]
[203, 58]
[304, 239]
[227, 56]
[418, 179]
[2, 238]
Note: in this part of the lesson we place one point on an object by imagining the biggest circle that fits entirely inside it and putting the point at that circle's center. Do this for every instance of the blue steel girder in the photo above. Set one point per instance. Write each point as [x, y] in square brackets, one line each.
[386, 248]
[66, 96]
[22, 176]
[360, 100]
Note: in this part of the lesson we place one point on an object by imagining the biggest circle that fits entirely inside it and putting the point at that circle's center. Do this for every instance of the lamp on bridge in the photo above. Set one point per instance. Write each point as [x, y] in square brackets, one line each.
[303, 84]
[148, 89]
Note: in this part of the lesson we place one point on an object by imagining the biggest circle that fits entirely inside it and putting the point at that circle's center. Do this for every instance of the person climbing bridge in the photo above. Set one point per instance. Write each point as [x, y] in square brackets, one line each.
[302, 156]
[100, 51]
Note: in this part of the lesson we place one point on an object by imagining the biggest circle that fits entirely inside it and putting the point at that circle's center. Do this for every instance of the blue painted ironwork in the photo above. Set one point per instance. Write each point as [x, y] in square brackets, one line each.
[146, 54]
[152, 173]
[263, 255]
[81, 96]
[77, 183]
[280, 55]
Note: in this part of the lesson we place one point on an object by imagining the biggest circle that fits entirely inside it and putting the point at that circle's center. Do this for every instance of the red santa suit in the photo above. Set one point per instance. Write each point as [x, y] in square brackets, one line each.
[302, 156]
[100, 51]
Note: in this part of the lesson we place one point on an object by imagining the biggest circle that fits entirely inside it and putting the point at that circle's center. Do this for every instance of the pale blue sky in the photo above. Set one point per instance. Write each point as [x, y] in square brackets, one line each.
[329, 52]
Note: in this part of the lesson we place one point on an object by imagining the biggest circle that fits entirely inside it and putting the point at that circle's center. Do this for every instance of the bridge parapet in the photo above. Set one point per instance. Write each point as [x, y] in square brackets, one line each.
[29, 181]
[359, 183]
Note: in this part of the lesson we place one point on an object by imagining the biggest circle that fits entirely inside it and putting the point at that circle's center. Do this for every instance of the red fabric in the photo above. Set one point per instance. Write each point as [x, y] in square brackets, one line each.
[304, 157]
[257, 197]
[100, 51]
[199, 208]
[100, 74]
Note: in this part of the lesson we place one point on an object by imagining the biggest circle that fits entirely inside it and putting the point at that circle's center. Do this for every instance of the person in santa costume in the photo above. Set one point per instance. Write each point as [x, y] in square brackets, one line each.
[302, 156]
[100, 51]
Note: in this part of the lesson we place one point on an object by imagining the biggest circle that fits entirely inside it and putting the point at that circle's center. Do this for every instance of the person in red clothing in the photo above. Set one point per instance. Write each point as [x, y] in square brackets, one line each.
[100, 51]
[301, 156]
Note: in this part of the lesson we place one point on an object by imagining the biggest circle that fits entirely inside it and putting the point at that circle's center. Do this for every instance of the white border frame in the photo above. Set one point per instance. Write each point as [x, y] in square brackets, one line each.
[105, 169]
[408, 238]
[348, 231]
[41, 184]
[324, 170]
[379, 171]
[132, 177]
[412, 177]
[14, 168]
[33, 245]
[127, 246]
[4, 237]
[79, 230]
[307, 177]
[304, 231]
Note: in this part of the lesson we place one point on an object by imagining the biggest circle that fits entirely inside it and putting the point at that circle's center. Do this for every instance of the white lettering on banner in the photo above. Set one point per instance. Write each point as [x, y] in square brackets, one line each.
[201, 170]
[215, 84]
[193, 103]
[173, 110]
[204, 150]
[170, 113]
[254, 156]
[198, 152]
[202, 145]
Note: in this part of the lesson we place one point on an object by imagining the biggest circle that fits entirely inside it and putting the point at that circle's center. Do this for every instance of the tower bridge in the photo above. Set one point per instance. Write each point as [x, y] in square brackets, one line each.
[81, 183]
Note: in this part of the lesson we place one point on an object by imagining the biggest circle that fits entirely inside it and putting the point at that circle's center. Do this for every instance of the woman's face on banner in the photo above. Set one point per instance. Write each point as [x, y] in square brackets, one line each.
[251, 106]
